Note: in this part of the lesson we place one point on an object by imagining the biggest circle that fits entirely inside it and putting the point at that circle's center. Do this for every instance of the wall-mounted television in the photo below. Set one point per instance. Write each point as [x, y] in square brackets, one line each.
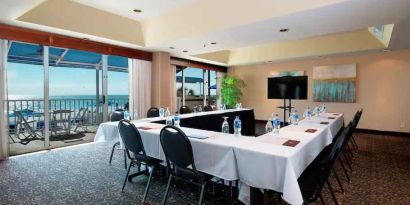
[288, 87]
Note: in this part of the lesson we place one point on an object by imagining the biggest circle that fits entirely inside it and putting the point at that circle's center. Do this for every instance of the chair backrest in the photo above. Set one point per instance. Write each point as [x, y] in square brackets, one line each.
[339, 146]
[131, 137]
[184, 110]
[153, 112]
[116, 116]
[21, 121]
[177, 148]
[208, 108]
[62, 114]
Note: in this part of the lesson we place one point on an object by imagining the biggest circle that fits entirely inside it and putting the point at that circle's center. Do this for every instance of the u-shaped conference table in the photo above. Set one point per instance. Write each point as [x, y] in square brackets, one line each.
[261, 162]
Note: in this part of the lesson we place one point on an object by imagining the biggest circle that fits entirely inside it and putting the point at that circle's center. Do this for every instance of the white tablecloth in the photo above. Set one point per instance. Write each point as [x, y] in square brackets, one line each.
[261, 162]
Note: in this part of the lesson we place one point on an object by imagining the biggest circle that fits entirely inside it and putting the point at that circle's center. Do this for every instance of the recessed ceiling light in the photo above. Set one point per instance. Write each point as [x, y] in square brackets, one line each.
[87, 39]
[284, 30]
[386, 50]
[137, 10]
[171, 47]
[213, 43]
[185, 51]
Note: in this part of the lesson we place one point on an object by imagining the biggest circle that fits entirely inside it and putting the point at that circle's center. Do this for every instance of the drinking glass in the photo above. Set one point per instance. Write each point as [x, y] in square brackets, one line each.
[269, 126]
[161, 112]
[225, 125]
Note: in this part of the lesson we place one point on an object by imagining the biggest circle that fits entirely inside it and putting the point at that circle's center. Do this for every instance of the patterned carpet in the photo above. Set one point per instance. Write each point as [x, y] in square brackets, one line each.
[82, 175]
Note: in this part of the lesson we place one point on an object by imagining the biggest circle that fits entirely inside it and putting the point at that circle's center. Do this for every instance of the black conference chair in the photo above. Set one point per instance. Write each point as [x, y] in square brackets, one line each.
[184, 110]
[153, 112]
[179, 156]
[117, 116]
[133, 143]
[208, 108]
[316, 175]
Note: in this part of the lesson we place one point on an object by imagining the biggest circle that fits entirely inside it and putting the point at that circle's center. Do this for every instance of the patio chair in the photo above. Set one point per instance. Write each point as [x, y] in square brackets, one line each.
[80, 119]
[29, 132]
[60, 121]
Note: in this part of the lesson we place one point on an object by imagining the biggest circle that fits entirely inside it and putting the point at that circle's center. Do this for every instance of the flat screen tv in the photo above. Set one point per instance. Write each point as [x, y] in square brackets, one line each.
[288, 87]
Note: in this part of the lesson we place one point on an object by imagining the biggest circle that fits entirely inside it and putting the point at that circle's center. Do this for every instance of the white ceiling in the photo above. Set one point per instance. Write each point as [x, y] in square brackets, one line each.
[150, 8]
[347, 16]
[336, 17]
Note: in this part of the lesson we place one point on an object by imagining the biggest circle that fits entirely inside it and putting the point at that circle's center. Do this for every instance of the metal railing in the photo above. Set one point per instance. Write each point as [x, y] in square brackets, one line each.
[33, 109]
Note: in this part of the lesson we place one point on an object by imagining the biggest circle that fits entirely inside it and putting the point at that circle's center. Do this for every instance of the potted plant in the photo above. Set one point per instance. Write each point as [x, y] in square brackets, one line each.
[231, 90]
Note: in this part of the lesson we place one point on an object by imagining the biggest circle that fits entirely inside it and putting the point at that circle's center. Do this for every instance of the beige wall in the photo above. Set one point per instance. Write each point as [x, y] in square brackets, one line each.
[383, 88]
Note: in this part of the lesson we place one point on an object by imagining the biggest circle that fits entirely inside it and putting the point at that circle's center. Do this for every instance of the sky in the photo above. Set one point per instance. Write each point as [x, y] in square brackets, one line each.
[26, 79]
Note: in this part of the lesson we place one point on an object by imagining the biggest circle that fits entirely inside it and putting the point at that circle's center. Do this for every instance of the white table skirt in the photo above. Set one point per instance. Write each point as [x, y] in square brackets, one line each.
[261, 162]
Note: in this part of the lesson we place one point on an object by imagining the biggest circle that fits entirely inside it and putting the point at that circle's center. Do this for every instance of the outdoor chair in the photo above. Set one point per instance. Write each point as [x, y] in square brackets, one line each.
[23, 127]
[60, 121]
[80, 119]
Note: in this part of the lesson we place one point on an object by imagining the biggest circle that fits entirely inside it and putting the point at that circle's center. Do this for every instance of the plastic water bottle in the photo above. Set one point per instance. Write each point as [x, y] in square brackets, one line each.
[237, 126]
[176, 120]
[317, 111]
[269, 127]
[276, 123]
[127, 115]
[308, 113]
[294, 118]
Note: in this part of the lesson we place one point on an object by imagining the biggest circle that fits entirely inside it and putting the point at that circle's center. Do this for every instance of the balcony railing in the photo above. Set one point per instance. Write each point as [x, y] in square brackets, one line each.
[33, 109]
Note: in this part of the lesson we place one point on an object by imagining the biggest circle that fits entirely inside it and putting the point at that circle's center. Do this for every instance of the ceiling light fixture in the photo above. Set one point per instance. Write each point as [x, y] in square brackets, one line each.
[137, 10]
[386, 50]
[283, 30]
[171, 47]
[213, 43]
[86, 39]
[185, 51]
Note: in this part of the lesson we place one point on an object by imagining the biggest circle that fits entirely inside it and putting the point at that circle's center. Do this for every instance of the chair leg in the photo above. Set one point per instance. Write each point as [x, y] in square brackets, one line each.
[126, 177]
[164, 200]
[332, 193]
[125, 159]
[338, 181]
[201, 197]
[321, 199]
[355, 144]
[148, 183]
[348, 163]
[344, 170]
[112, 151]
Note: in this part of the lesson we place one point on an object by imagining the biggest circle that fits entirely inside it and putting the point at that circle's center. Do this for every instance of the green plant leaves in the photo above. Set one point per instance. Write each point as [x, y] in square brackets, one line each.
[231, 90]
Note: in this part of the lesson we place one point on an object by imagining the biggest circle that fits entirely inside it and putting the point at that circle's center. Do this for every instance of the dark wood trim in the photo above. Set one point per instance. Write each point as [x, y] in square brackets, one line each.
[196, 64]
[50, 39]
[380, 132]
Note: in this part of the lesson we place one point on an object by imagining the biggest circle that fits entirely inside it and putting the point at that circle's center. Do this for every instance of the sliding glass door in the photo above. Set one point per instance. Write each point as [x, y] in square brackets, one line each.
[195, 87]
[59, 96]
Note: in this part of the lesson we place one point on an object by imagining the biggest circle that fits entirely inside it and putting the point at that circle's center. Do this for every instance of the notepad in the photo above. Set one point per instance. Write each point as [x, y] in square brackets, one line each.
[311, 130]
[336, 114]
[331, 118]
[291, 143]
[324, 123]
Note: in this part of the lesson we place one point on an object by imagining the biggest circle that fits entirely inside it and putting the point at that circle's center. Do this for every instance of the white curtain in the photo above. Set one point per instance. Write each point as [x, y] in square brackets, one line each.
[139, 87]
[3, 102]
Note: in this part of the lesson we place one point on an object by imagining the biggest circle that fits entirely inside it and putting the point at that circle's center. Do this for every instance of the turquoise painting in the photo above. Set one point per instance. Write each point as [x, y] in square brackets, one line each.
[334, 83]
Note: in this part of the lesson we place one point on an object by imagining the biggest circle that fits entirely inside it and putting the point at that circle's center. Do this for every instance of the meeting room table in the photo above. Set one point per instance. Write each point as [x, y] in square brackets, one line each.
[273, 161]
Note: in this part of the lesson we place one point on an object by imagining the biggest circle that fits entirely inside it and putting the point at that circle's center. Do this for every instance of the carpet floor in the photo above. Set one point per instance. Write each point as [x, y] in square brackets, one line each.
[82, 175]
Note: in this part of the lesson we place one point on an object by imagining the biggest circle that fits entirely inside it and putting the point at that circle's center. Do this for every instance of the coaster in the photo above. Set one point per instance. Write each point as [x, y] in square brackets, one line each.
[311, 130]
[324, 123]
[291, 143]
[144, 128]
[331, 118]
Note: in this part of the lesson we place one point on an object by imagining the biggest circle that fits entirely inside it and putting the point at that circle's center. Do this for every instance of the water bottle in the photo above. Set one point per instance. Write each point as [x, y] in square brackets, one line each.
[276, 123]
[294, 118]
[317, 111]
[127, 115]
[237, 126]
[269, 127]
[323, 108]
[308, 113]
[176, 120]
[223, 107]
[167, 112]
